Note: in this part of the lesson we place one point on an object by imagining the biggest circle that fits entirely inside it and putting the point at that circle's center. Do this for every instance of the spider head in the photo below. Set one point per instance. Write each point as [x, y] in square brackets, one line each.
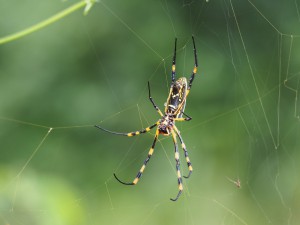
[177, 96]
[166, 124]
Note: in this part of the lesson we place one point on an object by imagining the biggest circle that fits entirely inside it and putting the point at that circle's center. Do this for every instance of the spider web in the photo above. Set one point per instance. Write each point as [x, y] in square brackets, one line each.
[56, 168]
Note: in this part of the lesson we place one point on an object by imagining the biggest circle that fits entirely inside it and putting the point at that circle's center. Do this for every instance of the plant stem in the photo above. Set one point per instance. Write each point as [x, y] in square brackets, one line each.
[44, 23]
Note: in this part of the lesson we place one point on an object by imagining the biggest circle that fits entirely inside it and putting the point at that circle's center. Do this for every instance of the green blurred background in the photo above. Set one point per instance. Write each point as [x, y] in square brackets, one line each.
[87, 70]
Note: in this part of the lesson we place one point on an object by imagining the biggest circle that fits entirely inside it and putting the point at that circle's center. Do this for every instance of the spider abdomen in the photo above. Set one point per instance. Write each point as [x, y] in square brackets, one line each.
[177, 98]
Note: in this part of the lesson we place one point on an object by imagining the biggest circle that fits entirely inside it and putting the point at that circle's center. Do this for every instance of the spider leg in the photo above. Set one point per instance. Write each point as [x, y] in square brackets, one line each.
[152, 101]
[195, 68]
[187, 118]
[130, 134]
[173, 64]
[186, 155]
[173, 74]
[180, 187]
[125, 183]
[140, 173]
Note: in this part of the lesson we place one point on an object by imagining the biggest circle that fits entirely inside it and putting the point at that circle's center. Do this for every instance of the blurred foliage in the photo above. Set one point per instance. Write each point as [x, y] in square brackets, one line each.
[87, 70]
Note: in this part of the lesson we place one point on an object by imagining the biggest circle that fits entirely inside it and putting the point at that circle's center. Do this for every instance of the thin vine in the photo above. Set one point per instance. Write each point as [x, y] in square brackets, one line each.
[87, 4]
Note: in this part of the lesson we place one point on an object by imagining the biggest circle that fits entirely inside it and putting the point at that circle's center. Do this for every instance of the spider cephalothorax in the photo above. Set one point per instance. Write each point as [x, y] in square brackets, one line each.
[174, 111]
[166, 124]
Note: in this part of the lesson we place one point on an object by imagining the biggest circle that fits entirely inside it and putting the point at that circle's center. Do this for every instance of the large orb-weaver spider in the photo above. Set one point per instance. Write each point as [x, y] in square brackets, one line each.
[174, 111]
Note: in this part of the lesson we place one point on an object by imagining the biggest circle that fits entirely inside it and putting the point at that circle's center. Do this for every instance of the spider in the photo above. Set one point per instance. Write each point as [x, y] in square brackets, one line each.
[174, 111]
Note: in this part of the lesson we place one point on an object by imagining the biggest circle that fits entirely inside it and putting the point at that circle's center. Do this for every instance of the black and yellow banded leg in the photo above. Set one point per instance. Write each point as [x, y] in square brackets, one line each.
[174, 65]
[186, 155]
[152, 101]
[140, 173]
[180, 187]
[187, 118]
[130, 134]
[195, 68]
[181, 119]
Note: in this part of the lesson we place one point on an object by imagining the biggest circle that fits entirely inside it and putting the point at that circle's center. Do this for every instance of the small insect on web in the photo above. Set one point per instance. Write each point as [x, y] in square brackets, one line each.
[174, 111]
